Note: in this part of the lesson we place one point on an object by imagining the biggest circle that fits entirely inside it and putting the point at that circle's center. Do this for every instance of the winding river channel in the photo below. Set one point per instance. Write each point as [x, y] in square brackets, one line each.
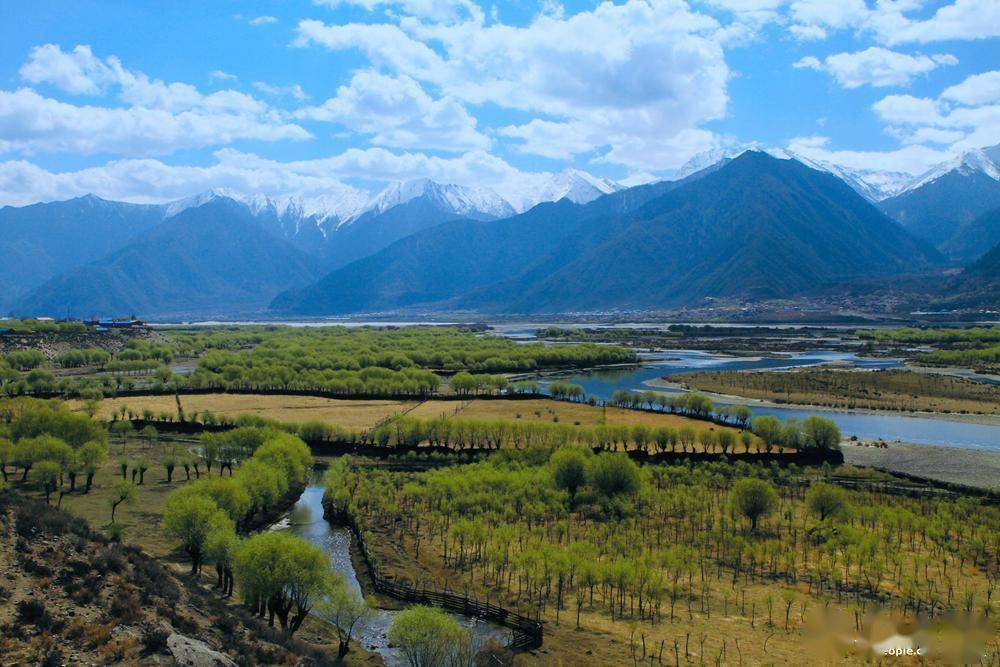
[306, 521]
[867, 425]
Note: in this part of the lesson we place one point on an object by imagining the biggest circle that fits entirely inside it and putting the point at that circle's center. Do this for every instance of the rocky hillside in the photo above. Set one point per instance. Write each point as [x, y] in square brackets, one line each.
[68, 596]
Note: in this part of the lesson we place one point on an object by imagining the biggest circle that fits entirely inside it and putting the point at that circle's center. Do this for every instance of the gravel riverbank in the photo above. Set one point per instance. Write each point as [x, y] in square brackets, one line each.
[970, 467]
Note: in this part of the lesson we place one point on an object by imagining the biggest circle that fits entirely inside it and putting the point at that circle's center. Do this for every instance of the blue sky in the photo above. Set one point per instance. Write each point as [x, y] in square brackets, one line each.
[149, 101]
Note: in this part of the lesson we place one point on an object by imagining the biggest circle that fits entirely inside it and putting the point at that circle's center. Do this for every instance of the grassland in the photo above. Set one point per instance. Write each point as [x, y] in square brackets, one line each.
[882, 390]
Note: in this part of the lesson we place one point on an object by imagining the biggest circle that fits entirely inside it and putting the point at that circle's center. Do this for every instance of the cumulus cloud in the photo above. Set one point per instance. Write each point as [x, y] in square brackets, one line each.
[633, 74]
[78, 72]
[397, 112]
[876, 66]
[975, 90]
[262, 20]
[32, 123]
[966, 115]
[159, 117]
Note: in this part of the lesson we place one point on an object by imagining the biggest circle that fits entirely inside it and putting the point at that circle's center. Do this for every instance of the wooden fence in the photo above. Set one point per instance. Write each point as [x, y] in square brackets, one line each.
[527, 632]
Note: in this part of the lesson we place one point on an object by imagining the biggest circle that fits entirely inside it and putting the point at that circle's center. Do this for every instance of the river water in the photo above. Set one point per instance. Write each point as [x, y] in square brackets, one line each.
[306, 521]
[865, 425]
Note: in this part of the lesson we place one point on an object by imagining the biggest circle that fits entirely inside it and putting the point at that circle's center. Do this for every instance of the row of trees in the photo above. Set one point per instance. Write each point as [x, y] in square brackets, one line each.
[691, 404]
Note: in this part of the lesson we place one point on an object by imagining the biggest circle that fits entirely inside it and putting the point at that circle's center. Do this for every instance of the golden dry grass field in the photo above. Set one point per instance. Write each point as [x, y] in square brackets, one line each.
[362, 414]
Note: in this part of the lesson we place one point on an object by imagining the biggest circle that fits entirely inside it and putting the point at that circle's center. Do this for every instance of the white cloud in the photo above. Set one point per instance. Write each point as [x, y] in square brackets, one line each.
[975, 90]
[79, 72]
[294, 90]
[263, 20]
[220, 75]
[631, 75]
[875, 66]
[912, 159]
[397, 112]
[962, 19]
[966, 114]
[32, 123]
[159, 118]
[149, 180]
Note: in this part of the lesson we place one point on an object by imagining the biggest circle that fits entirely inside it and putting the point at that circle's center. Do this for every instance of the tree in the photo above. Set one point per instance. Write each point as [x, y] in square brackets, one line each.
[768, 429]
[284, 575]
[615, 474]
[121, 492]
[348, 611]
[427, 637]
[6, 455]
[726, 439]
[754, 498]
[821, 433]
[190, 518]
[569, 469]
[149, 433]
[220, 548]
[826, 500]
[47, 474]
[121, 427]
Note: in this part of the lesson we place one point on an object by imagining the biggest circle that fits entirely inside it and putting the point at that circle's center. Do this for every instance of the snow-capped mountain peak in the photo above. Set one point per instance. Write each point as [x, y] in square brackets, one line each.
[872, 184]
[458, 199]
[972, 161]
[575, 185]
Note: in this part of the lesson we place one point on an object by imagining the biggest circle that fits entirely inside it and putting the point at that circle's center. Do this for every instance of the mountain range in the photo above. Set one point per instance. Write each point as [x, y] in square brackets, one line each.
[734, 225]
[757, 227]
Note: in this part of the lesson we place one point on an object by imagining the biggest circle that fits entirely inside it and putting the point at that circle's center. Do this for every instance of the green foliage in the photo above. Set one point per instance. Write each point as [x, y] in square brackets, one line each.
[615, 474]
[83, 357]
[25, 360]
[826, 501]
[190, 518]
[428, 637]
[820, 433]
[283, 574]
[48, 475]
[569, 469]
[49, 418]
[754, 499]
[372, 361]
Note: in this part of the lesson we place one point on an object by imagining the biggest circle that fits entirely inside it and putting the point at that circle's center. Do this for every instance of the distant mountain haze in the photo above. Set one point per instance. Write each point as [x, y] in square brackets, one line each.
[213, 259]
[40, 241]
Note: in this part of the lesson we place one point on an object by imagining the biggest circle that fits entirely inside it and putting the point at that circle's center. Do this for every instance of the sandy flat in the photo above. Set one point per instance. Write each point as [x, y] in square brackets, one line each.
[971, 467]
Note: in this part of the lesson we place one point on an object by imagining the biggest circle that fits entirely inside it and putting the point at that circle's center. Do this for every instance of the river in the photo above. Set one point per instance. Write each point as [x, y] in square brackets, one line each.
[865, 425]
[306, 521]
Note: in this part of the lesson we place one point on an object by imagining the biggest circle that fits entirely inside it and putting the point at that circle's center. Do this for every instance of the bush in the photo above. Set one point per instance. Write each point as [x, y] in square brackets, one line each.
[33, 612]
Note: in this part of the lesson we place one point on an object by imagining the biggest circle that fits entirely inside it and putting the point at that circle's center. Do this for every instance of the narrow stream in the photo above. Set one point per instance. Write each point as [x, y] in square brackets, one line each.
[306, 521]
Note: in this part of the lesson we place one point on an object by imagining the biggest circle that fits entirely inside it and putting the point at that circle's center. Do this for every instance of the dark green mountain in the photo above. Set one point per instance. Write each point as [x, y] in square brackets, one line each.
[937, 210]
[973, 239]
[213, 259]
[758, 227]
[978, 286]
[40, 241]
